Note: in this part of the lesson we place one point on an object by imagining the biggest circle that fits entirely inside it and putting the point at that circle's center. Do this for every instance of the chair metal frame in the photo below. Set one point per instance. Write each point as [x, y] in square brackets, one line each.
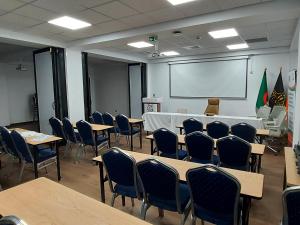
[115, 195]
[117, 134]
[219, 170]
[146, 205]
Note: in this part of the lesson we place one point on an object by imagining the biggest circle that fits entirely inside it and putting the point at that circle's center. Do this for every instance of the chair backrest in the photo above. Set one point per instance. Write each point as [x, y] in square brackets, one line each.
[244, 131]
[200, 146]
[166, 141]
[214, 192]
[234, 152]
[159, 181]
[21, 146]
[212, 107]
[276, 111]
[291, 206]
[123, 123]
[108, 119]
[69, 130]
[85, 132]
[191, 125]
[116, 161]
[8, 141]
[97, 118]
[263, 112]
[217, 129]
[57, 128]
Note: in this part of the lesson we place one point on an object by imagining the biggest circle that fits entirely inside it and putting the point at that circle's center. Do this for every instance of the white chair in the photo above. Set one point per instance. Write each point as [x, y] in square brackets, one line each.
[264, 112]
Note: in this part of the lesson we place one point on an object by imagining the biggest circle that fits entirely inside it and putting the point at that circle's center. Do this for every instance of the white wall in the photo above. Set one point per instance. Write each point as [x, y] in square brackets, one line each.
[158, 84]
[74, 80]
[109, 87]
[16, 89]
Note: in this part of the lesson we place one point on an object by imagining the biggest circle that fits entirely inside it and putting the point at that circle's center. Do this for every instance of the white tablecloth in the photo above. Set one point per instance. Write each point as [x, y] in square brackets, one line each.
[156, 120]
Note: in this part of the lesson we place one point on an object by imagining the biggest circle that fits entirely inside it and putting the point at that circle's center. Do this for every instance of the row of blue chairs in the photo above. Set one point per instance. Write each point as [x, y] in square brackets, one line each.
[210, 193]
[14, 144]
[233, 152]
[218, 129]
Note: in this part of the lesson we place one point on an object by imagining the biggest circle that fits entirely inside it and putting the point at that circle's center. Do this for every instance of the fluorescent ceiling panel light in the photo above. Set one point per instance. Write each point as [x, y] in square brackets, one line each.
[140, 44]
[178, 2]
[237, 46]
[223, 33]
[69, 22]
[169, 53]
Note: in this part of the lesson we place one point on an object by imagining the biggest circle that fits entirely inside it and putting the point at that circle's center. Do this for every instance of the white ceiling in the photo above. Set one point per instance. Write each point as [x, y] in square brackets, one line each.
[31, 16]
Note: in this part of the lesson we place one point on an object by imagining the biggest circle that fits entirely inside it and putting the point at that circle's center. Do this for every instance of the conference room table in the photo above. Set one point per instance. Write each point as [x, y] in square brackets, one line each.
[45, 202]
[35, 140]
[257, 150]
[291, 175]
[251, 183]
[97, 128]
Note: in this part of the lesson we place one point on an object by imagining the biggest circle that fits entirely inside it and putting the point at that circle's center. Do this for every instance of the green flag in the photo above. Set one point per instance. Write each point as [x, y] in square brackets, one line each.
[263, 96]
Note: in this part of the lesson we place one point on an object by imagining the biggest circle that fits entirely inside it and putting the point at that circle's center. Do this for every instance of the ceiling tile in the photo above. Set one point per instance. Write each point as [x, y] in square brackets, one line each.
[91, 16]
[20, 21]
[35, 12]
[138, 20]
[146, 5]
[228, 4]
[116, 10]
[112, 26]
[199, 7]
[166, 14]
[91, 3]
[46, 27]
[10, 4]
[59, 6]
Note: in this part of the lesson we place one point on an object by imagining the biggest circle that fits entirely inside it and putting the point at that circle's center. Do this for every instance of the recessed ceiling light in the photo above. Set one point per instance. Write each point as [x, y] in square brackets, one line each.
[237, 46]
[223, 33]
[169, 53]
[140, 44]
[69, 22]
[178, 2]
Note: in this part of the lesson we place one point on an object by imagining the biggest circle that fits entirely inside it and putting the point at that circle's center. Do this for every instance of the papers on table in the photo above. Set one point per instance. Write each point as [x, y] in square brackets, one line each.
[35, 136]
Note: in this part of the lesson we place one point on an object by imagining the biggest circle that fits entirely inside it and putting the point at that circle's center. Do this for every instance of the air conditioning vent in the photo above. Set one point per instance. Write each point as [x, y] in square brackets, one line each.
[193, 47]
[256, 40]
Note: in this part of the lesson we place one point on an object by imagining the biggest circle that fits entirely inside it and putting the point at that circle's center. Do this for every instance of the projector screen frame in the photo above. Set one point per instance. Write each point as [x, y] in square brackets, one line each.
[203, 61]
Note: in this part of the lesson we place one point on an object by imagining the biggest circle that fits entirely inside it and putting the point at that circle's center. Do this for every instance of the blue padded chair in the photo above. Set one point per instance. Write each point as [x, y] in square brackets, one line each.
[57, 128]
[166, 143]
[97, 118]
[109, 121]
[46, 156]
[244, 131]
[191, 125]
[72, 137]
[124, 127]
[291, 206]
[8, 143]
[162, 188]
[88, 139]
[234, 153]
[217, 129]
[121, 183]
[200, 148]
[215, 195]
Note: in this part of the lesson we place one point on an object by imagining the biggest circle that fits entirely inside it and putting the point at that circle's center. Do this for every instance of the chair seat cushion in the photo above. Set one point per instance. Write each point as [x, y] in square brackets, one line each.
[171, 205]
[181, 154]
[128, 191]
[128, 132]
[45, 154]
[215, 160]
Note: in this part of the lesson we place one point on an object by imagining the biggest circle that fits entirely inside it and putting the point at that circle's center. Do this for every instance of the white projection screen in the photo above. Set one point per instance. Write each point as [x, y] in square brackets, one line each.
[222, 79]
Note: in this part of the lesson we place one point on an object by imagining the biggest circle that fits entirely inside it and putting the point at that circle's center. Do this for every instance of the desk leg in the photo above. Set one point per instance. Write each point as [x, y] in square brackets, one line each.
[151, 143]
[57, 161]
[259, 164]
[141, 135]
[180, 130]
[102, 180]
[284, 180]
[109, 143]
[246, 210]
[35, 157]
[131, 144]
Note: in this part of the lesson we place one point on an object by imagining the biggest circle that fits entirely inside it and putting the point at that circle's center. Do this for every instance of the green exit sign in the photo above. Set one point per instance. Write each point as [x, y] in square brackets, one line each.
[153, 38]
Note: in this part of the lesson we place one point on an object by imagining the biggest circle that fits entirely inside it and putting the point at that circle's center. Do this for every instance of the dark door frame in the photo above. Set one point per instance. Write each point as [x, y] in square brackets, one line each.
[86, 86]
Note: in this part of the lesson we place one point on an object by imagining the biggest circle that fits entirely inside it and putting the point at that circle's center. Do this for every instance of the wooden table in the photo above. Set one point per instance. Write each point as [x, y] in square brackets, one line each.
[133, 122]
[97, 128]
[44, 202]
[34, 143]
[251, 183]
[291, 176]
